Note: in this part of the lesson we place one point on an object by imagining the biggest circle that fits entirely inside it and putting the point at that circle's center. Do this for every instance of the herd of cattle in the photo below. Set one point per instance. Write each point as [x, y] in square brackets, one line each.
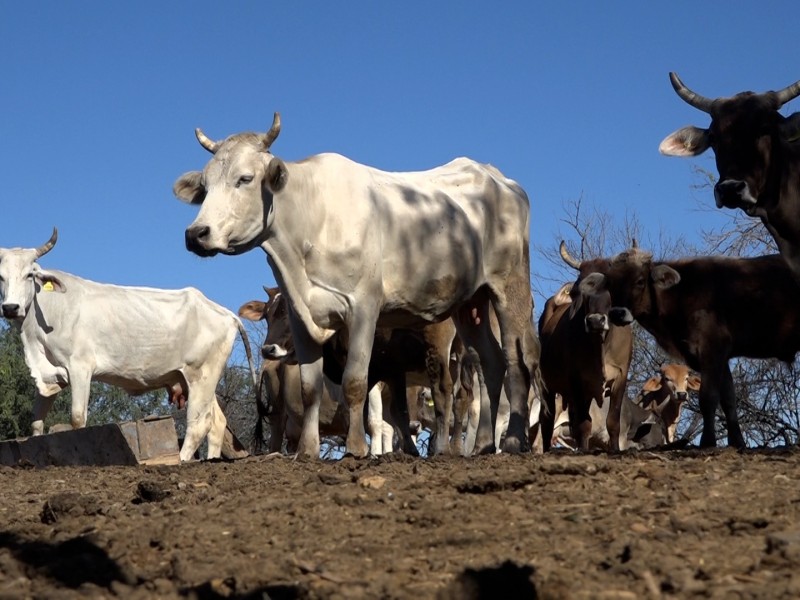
[397, 291]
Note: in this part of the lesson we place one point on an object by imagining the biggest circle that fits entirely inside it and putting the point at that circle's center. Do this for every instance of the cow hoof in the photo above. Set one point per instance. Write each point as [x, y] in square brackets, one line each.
[514, 446]
[481, 450]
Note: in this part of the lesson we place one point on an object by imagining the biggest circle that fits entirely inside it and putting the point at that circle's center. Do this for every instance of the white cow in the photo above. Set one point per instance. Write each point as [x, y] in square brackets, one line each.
[354, 248]
[75, 331]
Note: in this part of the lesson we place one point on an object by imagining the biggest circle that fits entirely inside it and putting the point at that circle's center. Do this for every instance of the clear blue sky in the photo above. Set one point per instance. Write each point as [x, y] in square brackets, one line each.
[99, 101]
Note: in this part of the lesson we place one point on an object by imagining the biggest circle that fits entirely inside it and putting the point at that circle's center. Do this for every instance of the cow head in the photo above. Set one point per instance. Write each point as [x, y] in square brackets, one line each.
[586, 292]
[278, 343]
[633, 282]
[746, 134]
[235, 191]
[678, 380]
[21, 277]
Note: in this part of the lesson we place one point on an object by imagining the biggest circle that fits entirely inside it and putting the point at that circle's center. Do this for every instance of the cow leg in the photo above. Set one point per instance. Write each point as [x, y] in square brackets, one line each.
[474, 417]
[442, 391]
[614, 410]
[728, 403]
[41, 407]
[354, 379]
[472, 322]
[199, 413]
[399, 411]
[80, 385]
[275, 401]
[514, 309]
[375, 421]
[463, 399]
[709, 399]
[216, 432]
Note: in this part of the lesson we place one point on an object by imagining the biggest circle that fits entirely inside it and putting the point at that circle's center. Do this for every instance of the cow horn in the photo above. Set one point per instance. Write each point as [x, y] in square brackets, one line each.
[273, 132]
[205, 142]
[688, 96]
[48, 245]
[568, 258]
[788, 93]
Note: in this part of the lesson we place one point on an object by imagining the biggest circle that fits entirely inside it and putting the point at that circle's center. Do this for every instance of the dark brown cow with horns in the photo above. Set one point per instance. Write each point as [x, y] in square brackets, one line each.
[758, 158]
[707, 310]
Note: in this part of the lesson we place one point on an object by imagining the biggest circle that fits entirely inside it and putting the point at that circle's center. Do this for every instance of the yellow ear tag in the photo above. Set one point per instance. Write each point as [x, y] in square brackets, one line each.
[48, 286]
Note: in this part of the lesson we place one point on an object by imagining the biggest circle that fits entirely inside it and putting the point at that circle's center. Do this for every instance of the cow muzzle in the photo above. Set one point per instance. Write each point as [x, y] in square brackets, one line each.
[273, 351]
[734, 193]
[197, 240]
[13, 311]
[596, 323]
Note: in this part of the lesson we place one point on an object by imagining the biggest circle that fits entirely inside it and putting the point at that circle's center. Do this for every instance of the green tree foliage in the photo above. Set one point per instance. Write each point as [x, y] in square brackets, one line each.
[16, 386]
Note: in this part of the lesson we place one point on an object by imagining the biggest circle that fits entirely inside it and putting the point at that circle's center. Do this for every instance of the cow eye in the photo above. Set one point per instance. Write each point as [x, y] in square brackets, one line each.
[244, 180]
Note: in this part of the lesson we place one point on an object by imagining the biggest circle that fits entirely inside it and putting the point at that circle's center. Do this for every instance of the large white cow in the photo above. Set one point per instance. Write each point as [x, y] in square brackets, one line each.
[75, 331]
[354, 248]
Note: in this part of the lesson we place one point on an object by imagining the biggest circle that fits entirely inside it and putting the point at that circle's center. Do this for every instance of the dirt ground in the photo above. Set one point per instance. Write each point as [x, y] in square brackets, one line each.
[679, 524]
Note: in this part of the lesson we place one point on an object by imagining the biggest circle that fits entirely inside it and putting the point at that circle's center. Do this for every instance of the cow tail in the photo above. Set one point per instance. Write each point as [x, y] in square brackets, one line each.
[248, 351]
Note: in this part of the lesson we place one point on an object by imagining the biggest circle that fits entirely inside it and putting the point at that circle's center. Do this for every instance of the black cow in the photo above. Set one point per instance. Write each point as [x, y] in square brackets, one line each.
[706, 311]
[758, 158]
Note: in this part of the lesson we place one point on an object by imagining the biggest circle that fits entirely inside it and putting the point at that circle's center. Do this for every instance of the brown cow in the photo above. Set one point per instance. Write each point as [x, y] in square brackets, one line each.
[666, 392]
[758, 158]
[706, 311]
[281, 374]
[585, 359]
[581, 364]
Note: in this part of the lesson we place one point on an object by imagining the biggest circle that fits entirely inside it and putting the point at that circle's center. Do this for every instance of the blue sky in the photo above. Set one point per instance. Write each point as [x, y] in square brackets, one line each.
[99, 101]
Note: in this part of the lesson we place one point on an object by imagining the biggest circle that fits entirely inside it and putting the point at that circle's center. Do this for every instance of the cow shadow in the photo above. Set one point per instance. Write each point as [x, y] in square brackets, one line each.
[72, 563]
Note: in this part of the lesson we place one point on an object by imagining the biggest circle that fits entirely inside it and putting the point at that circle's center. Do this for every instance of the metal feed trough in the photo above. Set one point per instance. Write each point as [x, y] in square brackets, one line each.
[149, 441]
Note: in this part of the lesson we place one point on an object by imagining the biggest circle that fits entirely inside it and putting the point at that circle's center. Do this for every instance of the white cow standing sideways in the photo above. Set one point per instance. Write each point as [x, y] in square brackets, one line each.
[75, 331]
[355, 248]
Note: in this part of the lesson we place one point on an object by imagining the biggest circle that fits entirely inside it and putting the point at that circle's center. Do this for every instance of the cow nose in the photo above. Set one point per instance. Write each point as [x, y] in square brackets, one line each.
[195, 234]
[597, 322]
[10, 311]
[682, 396]
[732, 193]
[273, 351]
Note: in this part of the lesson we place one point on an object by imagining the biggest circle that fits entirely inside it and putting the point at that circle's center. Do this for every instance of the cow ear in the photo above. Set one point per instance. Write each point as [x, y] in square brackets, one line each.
[252, 311]
[665, 277]
[272, 292]
[50, 282]
[790, 128]
[693, 383]
[189, 188]
[688, 141]
[652, 384]
[562, 295]
[277, 175]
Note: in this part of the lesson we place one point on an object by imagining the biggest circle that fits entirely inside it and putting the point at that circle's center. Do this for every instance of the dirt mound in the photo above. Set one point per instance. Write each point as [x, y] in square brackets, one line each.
[716, 524]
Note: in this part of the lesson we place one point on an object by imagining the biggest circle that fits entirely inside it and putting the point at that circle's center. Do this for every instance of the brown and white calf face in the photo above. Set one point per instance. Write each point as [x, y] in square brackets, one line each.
[235, 192]
[20, 274]
[676, 380]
